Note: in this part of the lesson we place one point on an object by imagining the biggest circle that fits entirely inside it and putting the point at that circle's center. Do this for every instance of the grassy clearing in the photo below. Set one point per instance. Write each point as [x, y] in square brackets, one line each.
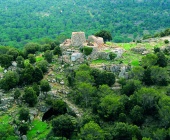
[39, 58]
[40, 127]
[6, 130]
[127, 46]
[107, 51]
[131, 58]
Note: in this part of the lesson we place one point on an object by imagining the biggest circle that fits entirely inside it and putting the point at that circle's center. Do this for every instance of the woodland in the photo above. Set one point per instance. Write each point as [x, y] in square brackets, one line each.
[43, 97]
[22, 21]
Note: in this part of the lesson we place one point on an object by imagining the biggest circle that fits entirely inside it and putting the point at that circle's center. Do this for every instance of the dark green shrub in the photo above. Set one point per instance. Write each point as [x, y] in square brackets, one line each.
[87, 50]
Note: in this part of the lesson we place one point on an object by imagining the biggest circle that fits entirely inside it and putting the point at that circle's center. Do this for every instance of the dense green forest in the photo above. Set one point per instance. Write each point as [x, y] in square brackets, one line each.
[25, 20]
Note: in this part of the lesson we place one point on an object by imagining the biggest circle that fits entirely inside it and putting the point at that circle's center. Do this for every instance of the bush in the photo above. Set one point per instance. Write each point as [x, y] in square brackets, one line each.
[166, 41]
[87, 50]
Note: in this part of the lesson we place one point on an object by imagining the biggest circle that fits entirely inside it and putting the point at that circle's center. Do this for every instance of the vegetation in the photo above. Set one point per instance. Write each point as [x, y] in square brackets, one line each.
[45, 21]
[44, 96]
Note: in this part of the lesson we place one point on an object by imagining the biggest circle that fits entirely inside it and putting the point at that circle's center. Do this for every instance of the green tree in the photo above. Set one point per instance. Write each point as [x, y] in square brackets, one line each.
[31, 48]
[159, 76]
[45, 47]
[24, 114]
[164, 113]
[37, 75]
[106, 35]
[84, 93]
[63, 126]
[30, 96]
[149, 60]
[45, 86]
[23, 128]
[92, 131]
[28, 74]
[147, 98]
[5, 60]
[43, 65]
[131, 86]
[136, 115]
[57, 51]
[162, 60]
[48, 56]
[110, 107]
[36, 88]
[20, 61]
[9, 81]
[84, 76]
[13, 52]
[59, 106]
[123, 131]
[31, 58]
[17, 93]
[103, 77]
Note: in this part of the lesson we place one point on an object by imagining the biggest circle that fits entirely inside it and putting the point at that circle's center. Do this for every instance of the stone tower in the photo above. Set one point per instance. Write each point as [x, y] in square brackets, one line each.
[78, 39]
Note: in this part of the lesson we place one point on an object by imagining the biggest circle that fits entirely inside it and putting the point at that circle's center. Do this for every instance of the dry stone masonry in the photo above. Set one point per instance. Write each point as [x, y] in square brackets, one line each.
[78, 39]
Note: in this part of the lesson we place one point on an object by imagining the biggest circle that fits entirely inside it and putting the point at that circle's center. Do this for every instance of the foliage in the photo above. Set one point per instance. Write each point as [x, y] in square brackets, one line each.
[112, 56]
[57, 51]
[43, 65]
[5, 60]
[125, 131]
[131, 86]
[38, 126]
[84, 93]
[20, 61]
[17, 34]
[44, 85]
[30, 48]
[9, 81]
[149, 60]
[87, 50]
[23, 128]
[48, 56]
[103, 77]
[17, 94]
[6, 130]
[30, 96]
[106, 35]
[31, 58]
[166, 41]
[109, 107]
[24, 114]
[37, 75]
[162, 60]
[59, 106]
[63, 126]
[92, 131]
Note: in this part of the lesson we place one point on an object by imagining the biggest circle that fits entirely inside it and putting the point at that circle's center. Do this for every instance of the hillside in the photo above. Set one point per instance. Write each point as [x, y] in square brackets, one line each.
[89, 91]
[25, 20]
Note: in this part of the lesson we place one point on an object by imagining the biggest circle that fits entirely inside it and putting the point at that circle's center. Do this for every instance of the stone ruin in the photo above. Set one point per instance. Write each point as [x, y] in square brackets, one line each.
[95, 41]
[78, 39]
